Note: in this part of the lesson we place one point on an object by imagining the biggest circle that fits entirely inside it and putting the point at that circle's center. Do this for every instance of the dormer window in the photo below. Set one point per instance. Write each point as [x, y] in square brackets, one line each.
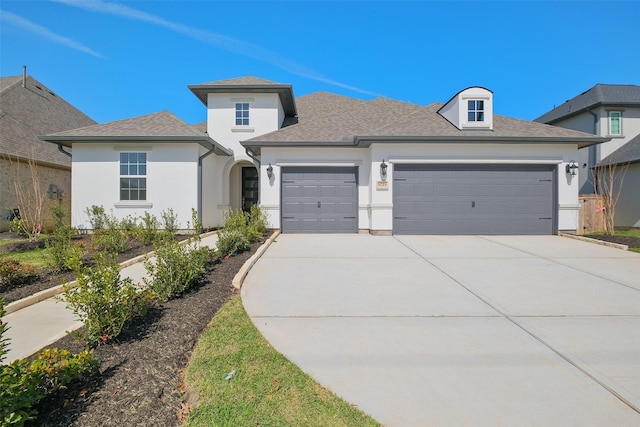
[475, 110]
[242, 114]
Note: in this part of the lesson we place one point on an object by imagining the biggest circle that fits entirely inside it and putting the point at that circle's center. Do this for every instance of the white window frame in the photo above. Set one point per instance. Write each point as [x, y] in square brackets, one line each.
[610, 117]
[242, 108]
[138, 171]
[477, 112]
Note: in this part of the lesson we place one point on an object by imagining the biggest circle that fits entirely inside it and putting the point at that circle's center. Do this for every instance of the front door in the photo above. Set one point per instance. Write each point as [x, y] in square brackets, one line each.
[249, 187]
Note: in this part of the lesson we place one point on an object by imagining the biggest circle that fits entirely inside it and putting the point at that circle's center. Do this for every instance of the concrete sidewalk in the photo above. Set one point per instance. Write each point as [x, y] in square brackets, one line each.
[40, 324]
[458, 330]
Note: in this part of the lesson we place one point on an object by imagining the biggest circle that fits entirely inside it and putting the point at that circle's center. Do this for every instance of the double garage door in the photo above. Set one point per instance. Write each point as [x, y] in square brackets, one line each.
[473, 199]
[319, 200]
[427, 199]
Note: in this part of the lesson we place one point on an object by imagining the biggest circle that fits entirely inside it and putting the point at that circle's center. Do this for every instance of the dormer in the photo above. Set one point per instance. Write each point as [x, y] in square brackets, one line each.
[470, 109]
[243, 108]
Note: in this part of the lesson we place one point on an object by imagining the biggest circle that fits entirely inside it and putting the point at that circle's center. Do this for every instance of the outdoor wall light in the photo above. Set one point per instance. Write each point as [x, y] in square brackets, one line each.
[270, 171]
[572, 168]
[383, 169]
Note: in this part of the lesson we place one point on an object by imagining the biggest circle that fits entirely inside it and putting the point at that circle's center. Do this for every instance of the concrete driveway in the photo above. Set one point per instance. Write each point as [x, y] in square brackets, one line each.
[458, 330]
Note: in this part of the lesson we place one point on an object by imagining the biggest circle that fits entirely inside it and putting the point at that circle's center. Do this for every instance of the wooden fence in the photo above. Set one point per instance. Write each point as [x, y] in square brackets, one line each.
[591, 213]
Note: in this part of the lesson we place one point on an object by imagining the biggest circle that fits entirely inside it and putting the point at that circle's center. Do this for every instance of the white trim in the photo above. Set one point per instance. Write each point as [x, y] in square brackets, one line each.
[568, 207]
[477, 161]
[133, 204]
[242, 129]
[310, 163]
[242, 100]
[133, 148]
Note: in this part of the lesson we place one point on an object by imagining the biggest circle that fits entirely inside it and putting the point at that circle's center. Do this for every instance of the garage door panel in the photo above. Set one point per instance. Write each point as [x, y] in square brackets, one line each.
[319, 200]
[473, 199]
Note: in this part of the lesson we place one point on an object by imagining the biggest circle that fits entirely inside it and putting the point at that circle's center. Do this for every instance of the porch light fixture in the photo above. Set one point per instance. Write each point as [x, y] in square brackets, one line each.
[270, 171]
[383, 169]
[572, 168]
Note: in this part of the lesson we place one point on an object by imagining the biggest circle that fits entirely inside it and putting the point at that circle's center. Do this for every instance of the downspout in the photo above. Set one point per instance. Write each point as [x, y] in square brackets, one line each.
[62, 150]
[593, 153]
[200, 180]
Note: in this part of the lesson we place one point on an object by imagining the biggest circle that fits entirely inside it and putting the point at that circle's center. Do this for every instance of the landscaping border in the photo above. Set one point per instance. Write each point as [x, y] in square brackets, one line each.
[238, 279]
[596, 241]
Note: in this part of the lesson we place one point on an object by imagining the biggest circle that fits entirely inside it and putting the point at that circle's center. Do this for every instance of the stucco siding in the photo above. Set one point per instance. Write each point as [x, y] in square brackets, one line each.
[172, 176]
[628, 209]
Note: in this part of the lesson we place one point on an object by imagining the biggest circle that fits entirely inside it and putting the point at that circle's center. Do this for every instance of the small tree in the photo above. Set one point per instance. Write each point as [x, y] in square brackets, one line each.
[29, 196]
[609, 179]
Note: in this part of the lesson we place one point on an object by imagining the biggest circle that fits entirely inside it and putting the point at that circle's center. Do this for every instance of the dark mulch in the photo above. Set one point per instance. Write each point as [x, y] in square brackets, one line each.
[139, 378]
[632, 242]
[46, 278]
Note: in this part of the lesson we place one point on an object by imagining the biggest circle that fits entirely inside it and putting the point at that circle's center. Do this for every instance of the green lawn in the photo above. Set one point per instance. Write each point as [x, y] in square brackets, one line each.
[267, 389]
[36, 257]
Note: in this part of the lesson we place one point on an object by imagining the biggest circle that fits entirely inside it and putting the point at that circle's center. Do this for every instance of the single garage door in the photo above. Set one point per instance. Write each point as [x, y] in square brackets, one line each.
[319, 200]
[473, 199]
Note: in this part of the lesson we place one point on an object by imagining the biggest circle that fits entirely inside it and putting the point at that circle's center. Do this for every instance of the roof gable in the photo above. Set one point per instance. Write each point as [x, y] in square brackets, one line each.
[628, 153]
[600, 94]
[33, 110]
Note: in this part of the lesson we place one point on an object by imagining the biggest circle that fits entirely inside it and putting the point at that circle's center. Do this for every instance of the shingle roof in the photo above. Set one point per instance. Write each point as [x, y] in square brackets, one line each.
[156, 127]
[247, 80]
[600, 94]
[27, 112]
[628, 153]
[386, 118]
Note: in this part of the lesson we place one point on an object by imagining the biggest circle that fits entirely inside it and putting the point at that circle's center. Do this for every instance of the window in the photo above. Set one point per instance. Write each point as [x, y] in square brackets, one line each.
[615, 123]
[475, 111]
[242, 114]
[133, 176]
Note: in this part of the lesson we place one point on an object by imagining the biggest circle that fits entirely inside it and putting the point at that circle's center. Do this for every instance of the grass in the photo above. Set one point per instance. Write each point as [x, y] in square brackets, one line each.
[268, 390]
[35, 257]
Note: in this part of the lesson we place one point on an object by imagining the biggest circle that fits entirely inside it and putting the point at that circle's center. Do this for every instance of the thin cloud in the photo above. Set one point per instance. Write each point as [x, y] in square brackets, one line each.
[218, 40]
[18, 21]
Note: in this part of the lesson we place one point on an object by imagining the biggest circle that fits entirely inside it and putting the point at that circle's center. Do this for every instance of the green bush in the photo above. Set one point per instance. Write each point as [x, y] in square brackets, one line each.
[169, 221]
[14, 274]
[103, 301]
[23, 384]
[240, 230]
[63, 254]
[113, 239]
[147, 232]
[97, 217]
[257, 223]
[176, 267]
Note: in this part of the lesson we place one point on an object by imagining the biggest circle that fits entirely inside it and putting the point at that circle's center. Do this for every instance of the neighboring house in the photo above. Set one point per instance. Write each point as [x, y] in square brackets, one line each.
[329, 163]
[29, 109]
[624, 163]
[610, 111]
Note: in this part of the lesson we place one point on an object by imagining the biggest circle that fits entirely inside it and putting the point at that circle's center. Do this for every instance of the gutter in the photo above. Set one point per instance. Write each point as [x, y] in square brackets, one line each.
[61, 149]
[208, 153]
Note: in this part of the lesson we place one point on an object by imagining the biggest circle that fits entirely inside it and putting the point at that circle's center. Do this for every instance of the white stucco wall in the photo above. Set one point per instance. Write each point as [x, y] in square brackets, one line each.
[172, 177]
[376, 206]
[265, 115]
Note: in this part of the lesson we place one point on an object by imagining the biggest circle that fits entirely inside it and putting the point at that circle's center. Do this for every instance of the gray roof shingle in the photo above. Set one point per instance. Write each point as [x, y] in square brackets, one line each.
[628, 153]
[31, 111]
[238, 81]
[600, 94]
[383, 117]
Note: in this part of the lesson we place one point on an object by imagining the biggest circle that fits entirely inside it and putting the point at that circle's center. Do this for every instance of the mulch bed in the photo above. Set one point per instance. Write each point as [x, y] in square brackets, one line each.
[140, 376]
[632, 242]
[46, 278]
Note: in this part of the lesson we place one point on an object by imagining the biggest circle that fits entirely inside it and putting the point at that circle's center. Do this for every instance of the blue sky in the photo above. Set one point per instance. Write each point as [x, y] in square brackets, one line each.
[120, 59]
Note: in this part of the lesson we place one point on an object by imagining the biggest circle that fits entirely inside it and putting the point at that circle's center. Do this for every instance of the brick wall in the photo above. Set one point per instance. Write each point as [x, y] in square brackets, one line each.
[10, 171]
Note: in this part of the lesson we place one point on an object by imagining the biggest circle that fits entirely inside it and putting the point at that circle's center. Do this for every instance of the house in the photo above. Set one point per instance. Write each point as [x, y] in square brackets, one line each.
[29, 109]
[610, 111]
[329, 163]
[624, 164]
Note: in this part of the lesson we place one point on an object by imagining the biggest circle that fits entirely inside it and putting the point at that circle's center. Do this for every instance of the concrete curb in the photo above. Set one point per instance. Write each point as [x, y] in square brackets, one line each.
[51, 292]
[238, 279]
[596, 241]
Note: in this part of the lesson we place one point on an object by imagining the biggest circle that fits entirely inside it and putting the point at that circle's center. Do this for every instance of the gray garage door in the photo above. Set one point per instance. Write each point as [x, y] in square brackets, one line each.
[319, 200]
[473, 199]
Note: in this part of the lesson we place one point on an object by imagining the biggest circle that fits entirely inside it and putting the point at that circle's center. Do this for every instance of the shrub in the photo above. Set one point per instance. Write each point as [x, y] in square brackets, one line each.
[104, 301]
[169, 221]
[176, 267]
[23, 384]
[113, 238]
[240, 230]
[147, 232]
[196, 223]
[257, 223]
[128, 224]
[14, 274]
[97, 217]
[63, 254]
